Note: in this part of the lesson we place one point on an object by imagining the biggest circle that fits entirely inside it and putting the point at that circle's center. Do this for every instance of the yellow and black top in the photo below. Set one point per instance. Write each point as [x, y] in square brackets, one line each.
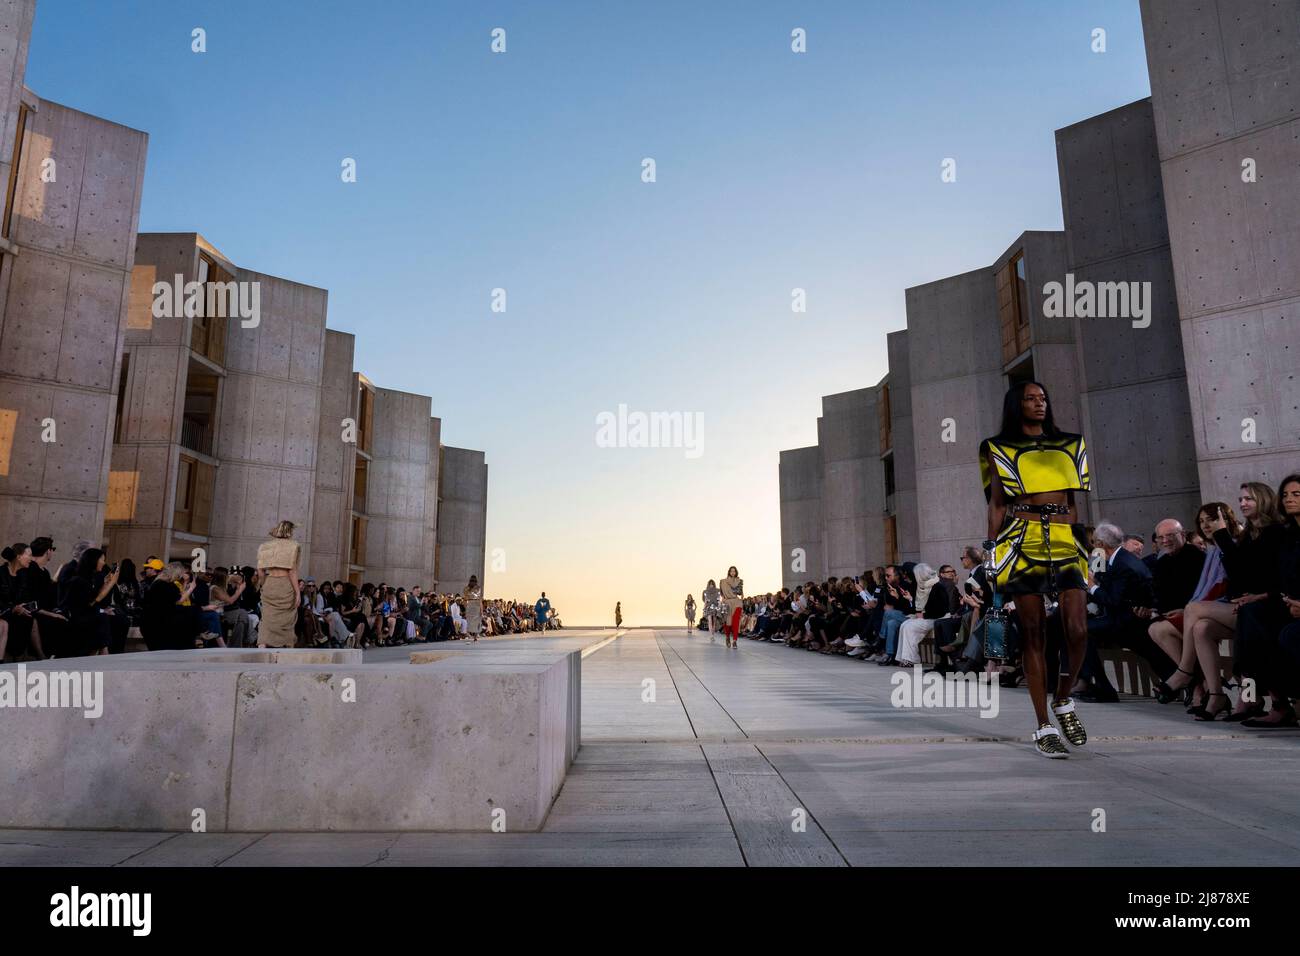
[1035, 463]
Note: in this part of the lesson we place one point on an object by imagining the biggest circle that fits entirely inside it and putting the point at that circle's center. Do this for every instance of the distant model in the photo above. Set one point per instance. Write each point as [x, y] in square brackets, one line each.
[1031, 470]
[712, 598]
[618, 614]
[540, 609]
[277, 560]
[690, 613]
[473, 606]
[733, 593]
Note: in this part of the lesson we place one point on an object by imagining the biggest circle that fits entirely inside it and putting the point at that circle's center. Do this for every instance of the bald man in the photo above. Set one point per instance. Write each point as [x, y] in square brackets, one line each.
[1177, 569]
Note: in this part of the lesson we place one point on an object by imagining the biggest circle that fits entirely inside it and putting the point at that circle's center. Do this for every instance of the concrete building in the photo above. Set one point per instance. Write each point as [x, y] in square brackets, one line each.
[1134, 406]
[67, 245]
[802, 531]
[230, 423]
[461, 530]
[1225, 92]
[898, 457]
[220, 414]
[853, 494]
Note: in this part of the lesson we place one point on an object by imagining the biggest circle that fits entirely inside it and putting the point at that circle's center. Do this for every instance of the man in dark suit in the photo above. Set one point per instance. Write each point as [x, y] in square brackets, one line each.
[1124, 585]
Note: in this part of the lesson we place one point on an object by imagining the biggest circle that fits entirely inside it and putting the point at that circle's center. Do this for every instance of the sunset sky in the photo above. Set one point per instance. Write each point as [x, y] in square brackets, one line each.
[523, 171]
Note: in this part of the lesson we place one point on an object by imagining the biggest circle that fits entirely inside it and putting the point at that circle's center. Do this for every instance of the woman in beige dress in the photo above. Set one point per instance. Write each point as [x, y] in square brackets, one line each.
[277, 559]
[473, 596]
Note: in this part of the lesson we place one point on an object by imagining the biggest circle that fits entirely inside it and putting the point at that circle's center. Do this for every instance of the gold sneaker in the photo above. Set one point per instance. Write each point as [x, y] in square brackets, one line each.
[1048, 743]
[1069, 721]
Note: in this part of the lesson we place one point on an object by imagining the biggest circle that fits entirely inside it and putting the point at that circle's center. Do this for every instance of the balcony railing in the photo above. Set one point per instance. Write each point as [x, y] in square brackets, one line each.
[196, 435]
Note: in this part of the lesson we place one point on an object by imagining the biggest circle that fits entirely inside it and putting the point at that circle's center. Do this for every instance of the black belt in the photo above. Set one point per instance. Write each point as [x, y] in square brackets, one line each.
[1045, 513]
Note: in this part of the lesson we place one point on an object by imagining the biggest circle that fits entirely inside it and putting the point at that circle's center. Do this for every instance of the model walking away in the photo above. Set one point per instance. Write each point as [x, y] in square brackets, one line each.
[618, 613]
[712, 598]
[1031, 471]
[277, 560]
[733, 592]
[690, 614]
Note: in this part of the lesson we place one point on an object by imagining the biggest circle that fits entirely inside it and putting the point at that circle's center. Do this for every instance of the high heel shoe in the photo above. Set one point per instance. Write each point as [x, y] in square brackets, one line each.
[1166, 694]
[1206, 713]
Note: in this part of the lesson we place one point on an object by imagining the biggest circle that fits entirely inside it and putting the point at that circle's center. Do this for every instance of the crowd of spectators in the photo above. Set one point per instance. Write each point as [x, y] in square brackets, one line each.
[90, 605]
[1233, 578]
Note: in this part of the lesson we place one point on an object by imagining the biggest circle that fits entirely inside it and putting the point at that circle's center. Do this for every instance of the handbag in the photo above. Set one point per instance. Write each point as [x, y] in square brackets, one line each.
[992, 628]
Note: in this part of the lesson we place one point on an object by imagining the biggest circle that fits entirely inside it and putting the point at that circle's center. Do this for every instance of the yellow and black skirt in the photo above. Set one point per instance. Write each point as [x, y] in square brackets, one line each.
[1032, 556]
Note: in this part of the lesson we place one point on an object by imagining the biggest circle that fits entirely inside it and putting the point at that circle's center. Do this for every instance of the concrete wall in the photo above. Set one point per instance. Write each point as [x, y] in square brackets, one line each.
[1136, 415]
[852, 497]
[63, 299]
[142, 480]
[1225, 88]
[331, 519]
[955, 366]
[802, 550]
[432, 490]
[15, 33]
[398, 490]
[268, 423]
[462, 518]
[904, 449]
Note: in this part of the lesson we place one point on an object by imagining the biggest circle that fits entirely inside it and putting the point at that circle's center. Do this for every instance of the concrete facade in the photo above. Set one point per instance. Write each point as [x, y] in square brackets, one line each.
[461, 530]
[899, 458]
[955, 365]
[1134, 402]
[67, 245]
[336, 456]
[1225, 90]
[852, 497]
[269, 422]
[398, 491]
[802, 552]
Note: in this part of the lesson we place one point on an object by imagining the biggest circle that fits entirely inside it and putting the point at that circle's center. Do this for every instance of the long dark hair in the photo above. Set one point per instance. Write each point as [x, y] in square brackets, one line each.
[88, 562]
[1013, 420]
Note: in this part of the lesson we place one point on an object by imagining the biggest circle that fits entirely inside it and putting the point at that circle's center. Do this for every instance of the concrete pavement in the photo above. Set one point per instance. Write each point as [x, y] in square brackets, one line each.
[698, 755]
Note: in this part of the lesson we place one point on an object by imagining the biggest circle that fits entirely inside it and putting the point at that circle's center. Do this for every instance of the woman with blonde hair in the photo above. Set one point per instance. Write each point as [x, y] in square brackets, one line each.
[277, 559]
[1251, 562]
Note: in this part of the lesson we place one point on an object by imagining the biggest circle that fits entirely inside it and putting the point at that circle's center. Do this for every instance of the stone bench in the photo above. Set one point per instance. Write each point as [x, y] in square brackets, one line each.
[270, 740]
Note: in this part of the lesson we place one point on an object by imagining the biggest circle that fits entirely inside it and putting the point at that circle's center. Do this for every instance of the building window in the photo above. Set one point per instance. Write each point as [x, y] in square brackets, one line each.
[118, 423]
[889, 476]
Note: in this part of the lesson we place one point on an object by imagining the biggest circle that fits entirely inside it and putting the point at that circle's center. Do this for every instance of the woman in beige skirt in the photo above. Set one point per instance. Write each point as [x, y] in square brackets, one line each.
[277, 559]
[473, 596]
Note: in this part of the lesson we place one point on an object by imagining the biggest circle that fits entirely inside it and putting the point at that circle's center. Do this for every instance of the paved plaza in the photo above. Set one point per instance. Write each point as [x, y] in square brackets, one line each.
[693, 754]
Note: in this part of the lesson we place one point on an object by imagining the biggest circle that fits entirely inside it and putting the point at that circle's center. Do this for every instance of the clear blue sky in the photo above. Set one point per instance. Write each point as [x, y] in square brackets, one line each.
[522, 171]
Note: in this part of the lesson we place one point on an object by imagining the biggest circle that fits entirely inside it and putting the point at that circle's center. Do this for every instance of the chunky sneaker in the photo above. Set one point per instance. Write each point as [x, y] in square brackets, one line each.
[1048, 743]
[1069, 721]
[856, 652]
[855, 641]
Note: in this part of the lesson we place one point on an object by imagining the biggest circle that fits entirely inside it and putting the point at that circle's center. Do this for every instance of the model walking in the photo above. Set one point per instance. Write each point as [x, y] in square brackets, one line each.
[733, 592]
[473, 597]
[690, 614]
[1031, 471]
[618, 614]
[712, 598]
[277, 559]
